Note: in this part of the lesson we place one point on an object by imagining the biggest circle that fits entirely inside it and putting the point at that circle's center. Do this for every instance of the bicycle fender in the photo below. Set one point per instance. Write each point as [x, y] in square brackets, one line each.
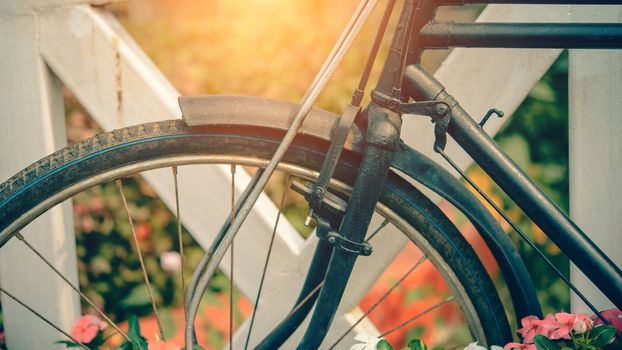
[265, 112]
[428, 173]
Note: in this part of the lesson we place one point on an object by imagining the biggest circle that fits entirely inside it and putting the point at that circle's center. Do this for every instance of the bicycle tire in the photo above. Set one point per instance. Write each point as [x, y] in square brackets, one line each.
[47, 181]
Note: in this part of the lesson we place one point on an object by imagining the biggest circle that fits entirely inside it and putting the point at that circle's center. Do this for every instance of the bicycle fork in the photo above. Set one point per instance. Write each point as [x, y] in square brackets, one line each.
[381, 141]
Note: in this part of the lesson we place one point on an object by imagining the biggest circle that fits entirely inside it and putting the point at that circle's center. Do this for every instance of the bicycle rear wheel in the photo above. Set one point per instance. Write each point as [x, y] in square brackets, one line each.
[149, 146]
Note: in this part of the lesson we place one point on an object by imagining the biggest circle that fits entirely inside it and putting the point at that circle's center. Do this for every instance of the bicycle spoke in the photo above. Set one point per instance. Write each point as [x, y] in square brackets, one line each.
[140, 257]
[21, 237]
[265, 267]
[384, 296]
[43, 318]
[181, 242]
[231, 285]
[378, 229]
[426, 311]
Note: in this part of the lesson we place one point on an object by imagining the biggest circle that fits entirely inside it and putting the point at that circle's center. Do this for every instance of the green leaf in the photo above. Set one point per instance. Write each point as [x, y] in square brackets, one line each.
[98, 341]
[417, 344]
[133, 325]
[543, 92]
[602, 335]
[138, 296]
[438, 347]
[137, 341]
[544, 343]
[383, 344]
[68, 344]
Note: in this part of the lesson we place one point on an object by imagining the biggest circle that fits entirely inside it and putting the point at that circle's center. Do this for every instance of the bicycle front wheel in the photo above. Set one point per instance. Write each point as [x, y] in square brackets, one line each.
[468, 291]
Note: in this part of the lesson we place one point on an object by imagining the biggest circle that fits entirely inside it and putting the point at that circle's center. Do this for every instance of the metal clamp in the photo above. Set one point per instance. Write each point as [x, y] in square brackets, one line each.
[325, 232]
[340, 242]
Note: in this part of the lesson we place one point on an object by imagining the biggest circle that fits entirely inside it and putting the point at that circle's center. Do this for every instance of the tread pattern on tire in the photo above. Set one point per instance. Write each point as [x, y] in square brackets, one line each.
[84, 147]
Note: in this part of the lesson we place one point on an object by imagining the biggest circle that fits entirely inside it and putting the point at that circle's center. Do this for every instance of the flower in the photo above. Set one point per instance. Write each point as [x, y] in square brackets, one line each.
[532, 326]
[614, 316]
[582, 324]
[565, 323]
[475, 346]
[170, 261]
[366, 342]
[519, 346]
[85, 328]
[163, 345]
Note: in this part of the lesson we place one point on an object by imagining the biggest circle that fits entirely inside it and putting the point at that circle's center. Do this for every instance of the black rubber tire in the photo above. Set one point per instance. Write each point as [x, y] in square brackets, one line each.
[149, 141]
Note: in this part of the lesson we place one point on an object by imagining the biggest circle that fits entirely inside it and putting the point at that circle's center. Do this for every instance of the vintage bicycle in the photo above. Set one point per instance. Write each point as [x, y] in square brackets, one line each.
[349, 167]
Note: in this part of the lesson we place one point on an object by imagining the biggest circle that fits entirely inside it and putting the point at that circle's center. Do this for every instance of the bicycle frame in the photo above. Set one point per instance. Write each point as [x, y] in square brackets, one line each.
[403, 78]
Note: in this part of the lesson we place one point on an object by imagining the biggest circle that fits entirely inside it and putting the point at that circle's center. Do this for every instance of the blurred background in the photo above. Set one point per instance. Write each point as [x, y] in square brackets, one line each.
[273, 48]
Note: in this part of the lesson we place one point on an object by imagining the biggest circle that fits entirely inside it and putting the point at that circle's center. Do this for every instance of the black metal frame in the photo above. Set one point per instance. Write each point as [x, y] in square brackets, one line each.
[403, 79]
[538, 207]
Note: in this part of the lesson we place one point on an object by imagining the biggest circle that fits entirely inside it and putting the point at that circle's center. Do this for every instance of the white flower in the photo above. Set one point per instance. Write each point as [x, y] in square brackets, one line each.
[475, 346]
[170, 261]
[366, 342]
[580, 326]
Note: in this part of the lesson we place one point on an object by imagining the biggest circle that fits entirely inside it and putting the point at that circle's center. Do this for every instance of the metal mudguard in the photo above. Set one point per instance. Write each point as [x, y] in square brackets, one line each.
[263, 112]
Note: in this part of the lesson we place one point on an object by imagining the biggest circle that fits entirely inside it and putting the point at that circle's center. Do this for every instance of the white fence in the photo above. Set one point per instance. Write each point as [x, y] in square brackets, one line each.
[46, 42]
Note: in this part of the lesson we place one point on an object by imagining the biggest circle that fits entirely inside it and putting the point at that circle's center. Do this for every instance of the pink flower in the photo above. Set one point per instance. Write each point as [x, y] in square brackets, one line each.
[520, 346]
[85, 328]
[532, 326]
[614, 316]
[163, 345]
[565, 324]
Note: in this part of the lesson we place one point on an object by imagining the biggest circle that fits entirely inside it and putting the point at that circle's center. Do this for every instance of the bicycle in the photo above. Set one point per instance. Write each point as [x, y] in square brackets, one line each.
[248, 131]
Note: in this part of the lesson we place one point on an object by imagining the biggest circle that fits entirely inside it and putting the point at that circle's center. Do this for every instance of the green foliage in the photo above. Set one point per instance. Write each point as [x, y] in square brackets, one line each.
[601, 336]
[596, 338]
[544, 343]
[137, 341]
[383, 344]
[417, 344]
